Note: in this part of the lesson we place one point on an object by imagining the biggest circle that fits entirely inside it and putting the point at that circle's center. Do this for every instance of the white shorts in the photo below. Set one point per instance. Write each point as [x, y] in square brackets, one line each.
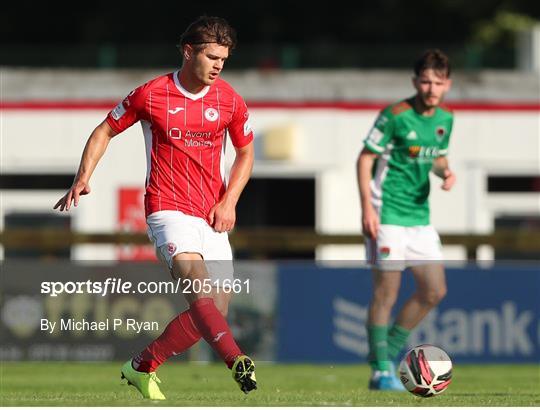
[398, 247]
[173, 232]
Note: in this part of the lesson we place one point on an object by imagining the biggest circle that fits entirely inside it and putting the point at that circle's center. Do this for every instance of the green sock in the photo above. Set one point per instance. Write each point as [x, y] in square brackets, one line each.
[397, 339]
[378, 347]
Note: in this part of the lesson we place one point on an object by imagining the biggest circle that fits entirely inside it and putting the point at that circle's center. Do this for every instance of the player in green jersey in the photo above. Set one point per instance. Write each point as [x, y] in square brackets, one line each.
[409, 139]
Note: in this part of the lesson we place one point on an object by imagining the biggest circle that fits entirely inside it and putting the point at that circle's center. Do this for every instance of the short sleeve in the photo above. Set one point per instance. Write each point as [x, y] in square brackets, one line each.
[128, 111]
[239, 128]
[381, 133]
[445, 140]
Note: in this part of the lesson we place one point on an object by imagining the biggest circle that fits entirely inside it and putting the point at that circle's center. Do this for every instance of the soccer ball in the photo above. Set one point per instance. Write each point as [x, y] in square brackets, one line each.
[426, 370]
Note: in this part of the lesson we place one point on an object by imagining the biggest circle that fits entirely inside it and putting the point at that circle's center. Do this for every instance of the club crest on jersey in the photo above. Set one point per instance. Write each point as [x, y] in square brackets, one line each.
[211, 114]
[440, 132]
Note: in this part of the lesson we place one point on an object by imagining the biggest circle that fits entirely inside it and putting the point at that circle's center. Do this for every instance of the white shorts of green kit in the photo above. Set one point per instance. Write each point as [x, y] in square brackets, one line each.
[173, 232]
[399, 247]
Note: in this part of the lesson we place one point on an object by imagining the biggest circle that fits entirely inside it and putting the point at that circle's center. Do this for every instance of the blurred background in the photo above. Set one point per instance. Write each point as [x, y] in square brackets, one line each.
[314, 79]
[278, 34]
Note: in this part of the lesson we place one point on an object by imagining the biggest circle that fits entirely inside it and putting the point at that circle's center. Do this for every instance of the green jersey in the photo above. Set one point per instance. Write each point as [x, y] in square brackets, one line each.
[407, 143]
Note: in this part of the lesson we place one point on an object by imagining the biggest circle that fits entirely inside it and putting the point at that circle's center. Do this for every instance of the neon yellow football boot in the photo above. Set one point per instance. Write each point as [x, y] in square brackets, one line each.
[146, 383]
[243, 372]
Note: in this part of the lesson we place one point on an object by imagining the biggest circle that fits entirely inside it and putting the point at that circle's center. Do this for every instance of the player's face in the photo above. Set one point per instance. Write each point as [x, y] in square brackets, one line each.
[431, 86]
[208, 62]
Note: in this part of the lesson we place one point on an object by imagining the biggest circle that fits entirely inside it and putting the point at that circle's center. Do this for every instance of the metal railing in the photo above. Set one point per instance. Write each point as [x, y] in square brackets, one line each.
[259, 240]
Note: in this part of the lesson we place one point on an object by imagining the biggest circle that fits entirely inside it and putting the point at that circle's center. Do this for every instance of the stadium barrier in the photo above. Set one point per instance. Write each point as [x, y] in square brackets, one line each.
[267, 239]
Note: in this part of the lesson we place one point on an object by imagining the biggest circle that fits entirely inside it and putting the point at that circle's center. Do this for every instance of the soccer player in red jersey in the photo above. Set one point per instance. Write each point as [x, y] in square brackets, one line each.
[185, 117]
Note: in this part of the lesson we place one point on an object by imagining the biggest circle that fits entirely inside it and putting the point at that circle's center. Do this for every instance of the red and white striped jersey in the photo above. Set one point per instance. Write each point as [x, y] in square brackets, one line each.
[185, 140]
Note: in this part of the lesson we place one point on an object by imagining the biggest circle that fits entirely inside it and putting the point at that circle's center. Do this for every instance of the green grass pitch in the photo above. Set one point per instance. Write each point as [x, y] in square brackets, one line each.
[97, 384]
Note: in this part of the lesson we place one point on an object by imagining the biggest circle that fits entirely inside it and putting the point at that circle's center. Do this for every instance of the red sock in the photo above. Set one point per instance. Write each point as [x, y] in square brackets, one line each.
[215, 330]
[178, 336]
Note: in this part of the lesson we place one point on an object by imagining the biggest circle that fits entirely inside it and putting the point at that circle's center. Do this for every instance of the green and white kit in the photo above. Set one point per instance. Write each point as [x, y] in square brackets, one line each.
[407, 143]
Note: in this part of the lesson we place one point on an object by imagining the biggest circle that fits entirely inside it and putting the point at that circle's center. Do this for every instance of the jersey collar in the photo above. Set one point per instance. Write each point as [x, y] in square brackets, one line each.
[186, 93]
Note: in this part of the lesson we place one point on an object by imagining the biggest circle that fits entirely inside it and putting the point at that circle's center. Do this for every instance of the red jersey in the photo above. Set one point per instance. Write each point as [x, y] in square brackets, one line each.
[185, 140]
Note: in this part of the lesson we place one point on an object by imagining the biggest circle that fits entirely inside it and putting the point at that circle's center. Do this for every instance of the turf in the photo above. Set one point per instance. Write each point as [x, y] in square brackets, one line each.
[98, 384]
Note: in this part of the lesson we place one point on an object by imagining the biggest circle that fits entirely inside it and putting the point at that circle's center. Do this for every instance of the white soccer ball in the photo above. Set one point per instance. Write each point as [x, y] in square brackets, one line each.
[426, 370]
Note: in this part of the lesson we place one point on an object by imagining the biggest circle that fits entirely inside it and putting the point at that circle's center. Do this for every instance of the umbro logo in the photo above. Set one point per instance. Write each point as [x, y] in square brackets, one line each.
[176, 110]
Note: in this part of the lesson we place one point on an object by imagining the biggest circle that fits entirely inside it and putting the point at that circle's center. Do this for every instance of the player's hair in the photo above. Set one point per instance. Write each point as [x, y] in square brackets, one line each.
[209, 29]
[434, 59]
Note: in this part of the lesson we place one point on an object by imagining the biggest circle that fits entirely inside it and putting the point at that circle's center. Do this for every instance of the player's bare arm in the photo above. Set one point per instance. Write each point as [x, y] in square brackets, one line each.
[93, 151]
[442, 170]
[222, 216]
[370, 218]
